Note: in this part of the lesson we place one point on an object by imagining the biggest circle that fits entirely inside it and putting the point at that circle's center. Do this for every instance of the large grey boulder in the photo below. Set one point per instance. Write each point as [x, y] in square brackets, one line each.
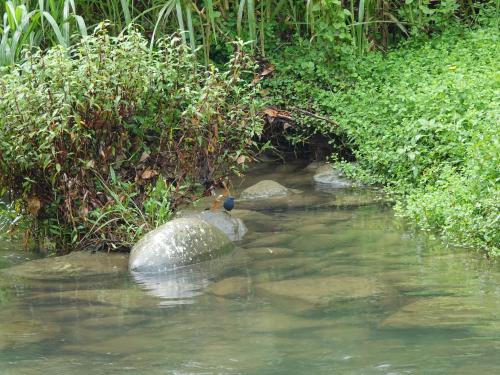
[232, 227]
[263, 190]
[328, 177]
[178, 243]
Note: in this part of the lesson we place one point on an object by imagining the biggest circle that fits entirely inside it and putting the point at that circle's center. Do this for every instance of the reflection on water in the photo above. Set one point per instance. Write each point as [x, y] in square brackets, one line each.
[182, 285]
[329, 284]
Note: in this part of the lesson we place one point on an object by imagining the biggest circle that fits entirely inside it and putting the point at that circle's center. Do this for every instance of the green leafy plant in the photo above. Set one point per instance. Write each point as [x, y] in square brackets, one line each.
[101, 141]
[421, 119]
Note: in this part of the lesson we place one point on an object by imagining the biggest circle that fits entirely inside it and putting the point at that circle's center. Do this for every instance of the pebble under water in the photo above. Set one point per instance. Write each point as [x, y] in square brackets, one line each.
[331, 283]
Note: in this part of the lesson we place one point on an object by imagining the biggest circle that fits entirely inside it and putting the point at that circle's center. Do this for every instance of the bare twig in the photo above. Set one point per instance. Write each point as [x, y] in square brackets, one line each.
[319, 117]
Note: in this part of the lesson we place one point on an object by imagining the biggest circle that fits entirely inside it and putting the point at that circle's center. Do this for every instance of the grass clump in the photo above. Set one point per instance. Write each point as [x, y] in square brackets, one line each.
[100, 142]
[422, 119]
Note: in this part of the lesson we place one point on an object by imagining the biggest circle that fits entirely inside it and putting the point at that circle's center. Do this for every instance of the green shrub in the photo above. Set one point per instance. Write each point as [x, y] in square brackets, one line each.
[422, 119]
[100, 142]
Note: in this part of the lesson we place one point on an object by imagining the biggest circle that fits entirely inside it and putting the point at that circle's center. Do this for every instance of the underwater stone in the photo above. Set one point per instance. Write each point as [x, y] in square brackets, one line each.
[79, 264]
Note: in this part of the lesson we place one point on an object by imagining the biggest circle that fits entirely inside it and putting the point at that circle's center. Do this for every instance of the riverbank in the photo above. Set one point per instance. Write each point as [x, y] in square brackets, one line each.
[101, 142]
[99, 168]
[422, 120]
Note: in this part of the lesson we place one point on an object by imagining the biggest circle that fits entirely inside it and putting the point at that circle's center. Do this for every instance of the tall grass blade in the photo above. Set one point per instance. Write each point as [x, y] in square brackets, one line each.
[359, 27]
[126, 12]
[55, 27]
[192, 37]
[252, 23]
[180, 20]
[211, 16]
[164, 12]
[239, 19]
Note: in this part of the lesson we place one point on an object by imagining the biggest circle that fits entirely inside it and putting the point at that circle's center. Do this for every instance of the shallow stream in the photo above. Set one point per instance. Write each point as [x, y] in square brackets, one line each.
[330, 284]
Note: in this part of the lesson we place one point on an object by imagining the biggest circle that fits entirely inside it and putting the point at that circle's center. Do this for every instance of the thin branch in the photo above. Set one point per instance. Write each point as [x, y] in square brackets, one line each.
[319, 117]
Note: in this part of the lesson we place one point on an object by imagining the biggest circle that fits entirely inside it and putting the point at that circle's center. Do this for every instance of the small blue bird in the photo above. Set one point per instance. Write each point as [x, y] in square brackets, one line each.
[229, 204]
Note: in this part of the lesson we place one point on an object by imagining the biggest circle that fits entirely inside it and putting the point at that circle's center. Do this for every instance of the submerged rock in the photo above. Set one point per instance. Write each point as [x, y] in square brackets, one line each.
[129, 298]
[18, 330]
[264, 189]
[318, 242]
[79, 264]
[313, 166]
[271, 239]
[284, 264]
[232, 227]
[256, 221]
[178, 243]
[443, 312]
[321, 290]
[328, 177]
[231, 287]
[268, 252]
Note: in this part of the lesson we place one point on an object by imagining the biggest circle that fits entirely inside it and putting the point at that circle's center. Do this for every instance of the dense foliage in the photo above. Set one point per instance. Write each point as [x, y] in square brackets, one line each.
[98, 142]
[101, 138]
[210, 24]
[423, 120]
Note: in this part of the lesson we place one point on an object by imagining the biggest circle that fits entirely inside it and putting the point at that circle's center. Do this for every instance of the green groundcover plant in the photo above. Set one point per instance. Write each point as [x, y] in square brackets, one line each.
[422, 119]
[100, 142]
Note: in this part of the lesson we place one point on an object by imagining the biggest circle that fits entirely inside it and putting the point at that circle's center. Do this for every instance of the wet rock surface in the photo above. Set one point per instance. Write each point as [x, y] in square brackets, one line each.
[328, 177]
[178, 243]
[232, 226]
[263, 190]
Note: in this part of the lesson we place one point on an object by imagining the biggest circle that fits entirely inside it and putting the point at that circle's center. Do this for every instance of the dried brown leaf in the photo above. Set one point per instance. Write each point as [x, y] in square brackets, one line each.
[241, 159]
[34, 205]
[145, 156]
[148, 174]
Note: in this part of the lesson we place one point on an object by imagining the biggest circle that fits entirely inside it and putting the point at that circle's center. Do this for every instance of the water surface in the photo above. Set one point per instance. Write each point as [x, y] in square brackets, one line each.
[315, 288]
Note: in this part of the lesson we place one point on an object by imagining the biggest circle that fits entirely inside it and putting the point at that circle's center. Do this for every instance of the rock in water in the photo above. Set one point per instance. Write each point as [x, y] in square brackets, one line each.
[178, 243]
[79, 264]
[327, 177]
[265, 189]
[232, 227]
